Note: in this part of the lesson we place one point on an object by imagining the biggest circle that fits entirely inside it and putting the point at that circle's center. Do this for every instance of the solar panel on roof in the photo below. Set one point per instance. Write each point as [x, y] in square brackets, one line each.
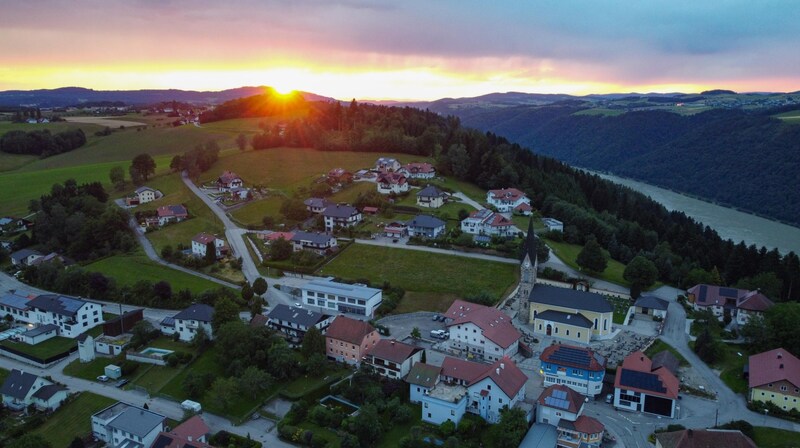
[703, 292]
[559, 394]
[571, 355]
[642, 380]
[728, 292]
[556, 403]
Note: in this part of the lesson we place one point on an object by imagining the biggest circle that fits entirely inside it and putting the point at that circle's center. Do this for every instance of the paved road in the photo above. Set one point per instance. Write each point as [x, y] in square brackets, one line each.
[464, 198]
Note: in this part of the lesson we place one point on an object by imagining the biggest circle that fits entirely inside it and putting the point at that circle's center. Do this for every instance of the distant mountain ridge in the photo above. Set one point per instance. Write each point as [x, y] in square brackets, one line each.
[73, 96]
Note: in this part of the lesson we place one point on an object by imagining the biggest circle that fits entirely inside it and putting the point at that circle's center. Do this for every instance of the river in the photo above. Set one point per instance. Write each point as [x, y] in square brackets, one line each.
[729, 223]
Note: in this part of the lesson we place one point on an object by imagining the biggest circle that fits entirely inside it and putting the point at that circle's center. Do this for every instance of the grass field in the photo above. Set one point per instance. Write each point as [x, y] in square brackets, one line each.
[730, 366]
[252, 214]
[73, 419]
[88, 370]
[43, 350]
[129, 268]
[775, 438]
[569, 253]
[472, 191]
[423, 272]
[154, 378]
[659, 346]
[793, 117]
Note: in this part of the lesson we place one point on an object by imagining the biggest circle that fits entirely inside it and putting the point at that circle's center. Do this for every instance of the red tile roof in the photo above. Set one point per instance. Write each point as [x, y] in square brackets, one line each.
[511, 194]
[573, 402]
[392, 350]
[499, 220]
[505, 373]
[349, 330]
[391, 178]
[274, 236]
[460, 369]
[773, 366]
[172, 210]
[227, 177]
[496, 325]
[754, 301]
[552, 352]
[704, 438]
[419, 167]
[588, 425]
[524, 207]
[639, 362]
[195, 428]
[204, 238]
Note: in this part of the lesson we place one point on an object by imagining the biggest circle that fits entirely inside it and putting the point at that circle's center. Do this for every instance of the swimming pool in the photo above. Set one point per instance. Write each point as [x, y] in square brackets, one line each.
[12, 332]
[157, 352]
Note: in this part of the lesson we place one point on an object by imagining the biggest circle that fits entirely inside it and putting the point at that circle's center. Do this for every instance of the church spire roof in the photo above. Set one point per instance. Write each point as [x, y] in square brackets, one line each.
[531, 244]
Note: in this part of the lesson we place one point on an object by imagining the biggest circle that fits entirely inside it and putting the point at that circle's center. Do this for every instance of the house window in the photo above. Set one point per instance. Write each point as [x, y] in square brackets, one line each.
[452, 412]
[579, 335]
[556, 330]
[540, 326]
[783, 388]
[567, 332]
[595, 324]
[489, 386]
[426, 406]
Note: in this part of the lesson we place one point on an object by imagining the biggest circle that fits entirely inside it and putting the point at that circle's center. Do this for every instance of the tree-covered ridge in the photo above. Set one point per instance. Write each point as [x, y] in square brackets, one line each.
[271, 103]
[41, 143]
[745, 159]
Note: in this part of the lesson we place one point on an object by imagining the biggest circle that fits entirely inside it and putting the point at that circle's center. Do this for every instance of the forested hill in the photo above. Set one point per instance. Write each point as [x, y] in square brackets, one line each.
[748, 160]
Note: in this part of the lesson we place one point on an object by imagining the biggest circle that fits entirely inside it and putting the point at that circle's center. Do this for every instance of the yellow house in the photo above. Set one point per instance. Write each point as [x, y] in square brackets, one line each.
[569, 314]
[775, 378]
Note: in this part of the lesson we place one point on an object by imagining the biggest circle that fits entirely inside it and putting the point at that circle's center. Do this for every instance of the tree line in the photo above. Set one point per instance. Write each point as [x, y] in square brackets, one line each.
[41, 142]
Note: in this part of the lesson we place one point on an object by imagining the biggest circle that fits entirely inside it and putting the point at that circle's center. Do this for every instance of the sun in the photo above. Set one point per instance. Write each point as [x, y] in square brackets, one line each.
[283, 90]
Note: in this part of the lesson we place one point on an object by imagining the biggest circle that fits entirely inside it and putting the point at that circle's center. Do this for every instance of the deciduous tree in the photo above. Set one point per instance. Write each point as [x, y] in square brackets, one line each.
[591, 257]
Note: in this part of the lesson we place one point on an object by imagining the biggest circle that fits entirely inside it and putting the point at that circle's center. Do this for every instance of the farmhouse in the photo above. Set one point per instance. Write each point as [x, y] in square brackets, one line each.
[340, 216]
[72, 316]
[640, 387]
[481, 331]
[702, 438]
[651, 306]
[740, 304]
[14, 225]
[342, 297]
[431, 197]
[190, 321]
[294, 322]
[229, 180]
[392, 359]
[142, 195]
[319, 243]
[22, 389]
[562, 407]
[392, 183]
[123, 425]
[202, 240]
[577, 368]
[487, 222]
[317, 205]
[25, 257]
[775, 378]
[418, 170]
[425, 226]
[171, 213]
[347, 340]
[507, 199]
[387, 164]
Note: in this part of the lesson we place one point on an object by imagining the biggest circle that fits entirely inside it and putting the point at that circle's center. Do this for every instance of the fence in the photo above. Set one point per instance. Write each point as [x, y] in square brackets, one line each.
[36, 361]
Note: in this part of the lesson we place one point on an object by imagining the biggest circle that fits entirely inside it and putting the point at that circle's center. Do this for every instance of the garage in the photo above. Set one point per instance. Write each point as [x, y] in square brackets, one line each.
[658, 405]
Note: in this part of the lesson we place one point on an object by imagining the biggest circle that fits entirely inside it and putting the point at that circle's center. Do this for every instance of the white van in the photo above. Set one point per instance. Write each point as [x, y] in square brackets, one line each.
[193, 406]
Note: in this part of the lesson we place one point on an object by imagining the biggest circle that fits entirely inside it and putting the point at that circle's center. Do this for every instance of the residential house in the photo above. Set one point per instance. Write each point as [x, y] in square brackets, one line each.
[112, 345]
[396, 229]
[193, 319]
[144, 195]
[25, 257]
[431, 197]
[294, 322]
[171, 213]
[317, 205]
[340, 216]
[192, 433]
[425, 226]
[38, 334]
[479, 389]
[347, 340]
[481, 331]
[422, 378]
[651, 306]
[167, 326]
[51, 258]
[639, 387]
[774, 377]
[339, 176]
[540, 436]
[22, 389]
[387, 164]
[487, 222]
[319, 243]
[739, 304]
[329, 295]
[14, 225]
[72, 316]
[703, 438]
[507, 199]
[389, 183]
[392, 359]
[123, 425]
[269, 238]
[201, 241]
[15, 304]
[553, 225]
[562, 407]
[418, 170]
[228, 181]
[568, 313]
[579, 368]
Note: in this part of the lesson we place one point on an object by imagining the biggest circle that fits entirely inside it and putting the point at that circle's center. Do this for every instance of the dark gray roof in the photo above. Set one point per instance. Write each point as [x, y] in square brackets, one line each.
[137, 421]
[168, 321]
[652, 302]
[23, 254]
[314, 238]
[300, 316]
[531, 244]
[63, 305]
[665, 359]
[570, 298]
[340, 211]
[199, 311]
[46, 392]
[565, 318]
[41, 329]
[18, 384]
[430, 192]
[317, 202]
[426, 222]
[15, 301]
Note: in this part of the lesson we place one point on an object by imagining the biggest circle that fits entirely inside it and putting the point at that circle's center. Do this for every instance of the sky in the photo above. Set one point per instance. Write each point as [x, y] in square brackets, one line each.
[410, 49]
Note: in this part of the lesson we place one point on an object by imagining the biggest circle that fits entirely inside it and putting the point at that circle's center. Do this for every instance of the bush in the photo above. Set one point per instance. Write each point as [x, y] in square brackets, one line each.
[128, 367]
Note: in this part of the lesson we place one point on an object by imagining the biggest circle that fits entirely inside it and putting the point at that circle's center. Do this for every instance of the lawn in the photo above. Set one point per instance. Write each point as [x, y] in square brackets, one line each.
[253, 213]
[659, 346]
[775, 438]
[569, 253]
[168, 343]
[303, 385]
[426, 272]
[127, 269]
[73, 419]
[43, 350]
[730, 366]
[472, 191]
[88, 370]
[349, 194]
[154, 378]
[205, 363]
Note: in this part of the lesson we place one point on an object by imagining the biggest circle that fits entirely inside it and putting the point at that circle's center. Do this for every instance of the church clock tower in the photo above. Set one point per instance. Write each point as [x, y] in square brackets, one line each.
[528, 267]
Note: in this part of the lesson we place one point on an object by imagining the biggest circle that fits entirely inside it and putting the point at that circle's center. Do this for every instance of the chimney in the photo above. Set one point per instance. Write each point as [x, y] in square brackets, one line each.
[497, 370]
[502, 365]
[780, 356]
[392, 341]
[189, 438]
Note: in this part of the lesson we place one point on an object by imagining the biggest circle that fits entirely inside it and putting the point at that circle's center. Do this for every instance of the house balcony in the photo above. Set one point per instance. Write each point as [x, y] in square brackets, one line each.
[192, 324]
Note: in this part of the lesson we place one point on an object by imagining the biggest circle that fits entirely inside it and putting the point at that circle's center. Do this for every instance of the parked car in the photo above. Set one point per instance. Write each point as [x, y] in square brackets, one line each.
[102, 379]
[610, 398]
[298, 305]
[122, 382]
[439, 334]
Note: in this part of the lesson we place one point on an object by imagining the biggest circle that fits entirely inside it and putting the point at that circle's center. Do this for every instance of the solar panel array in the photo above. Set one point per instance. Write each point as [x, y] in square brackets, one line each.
[703, 292]
[728, 292]
[571, 355]
[557, 399]
[642, 380]
[69, 304]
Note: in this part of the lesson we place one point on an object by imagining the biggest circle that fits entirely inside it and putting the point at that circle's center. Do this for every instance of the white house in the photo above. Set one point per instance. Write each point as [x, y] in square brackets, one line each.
[507, 199]
[201, 241]
[563, 407]
[639, 386]
[487, 222]
[340, 216]
[171, 213]
[422, 378]
[387, 164]
[16, 305]
[392, 359]
[317, 205]
[319, 243]
[193, 319]
[431, 197]
[22, 389]
[481, 331]
[38, 334]
[123, 425]
[167, 326]
[579, 368]
[228, 180]
[740, 304]
[425, 226]
[392, 183]
[145, 194]
[72, 316]
[25, 257]
[418, 170]
[294, 322]
[329, 295]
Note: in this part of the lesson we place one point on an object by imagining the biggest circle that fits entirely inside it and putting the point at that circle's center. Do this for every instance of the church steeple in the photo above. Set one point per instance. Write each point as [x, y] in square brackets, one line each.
[529, 264]
[531, 244]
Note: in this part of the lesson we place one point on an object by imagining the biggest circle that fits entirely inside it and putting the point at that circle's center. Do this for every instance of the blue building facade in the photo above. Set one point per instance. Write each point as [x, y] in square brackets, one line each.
[578, 368]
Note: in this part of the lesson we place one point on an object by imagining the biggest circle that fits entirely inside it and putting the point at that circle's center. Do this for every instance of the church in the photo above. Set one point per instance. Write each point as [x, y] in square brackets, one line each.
[564, 313]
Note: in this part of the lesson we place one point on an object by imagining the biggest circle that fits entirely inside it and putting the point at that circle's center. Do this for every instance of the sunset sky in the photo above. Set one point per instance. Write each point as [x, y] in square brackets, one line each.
[411, 49]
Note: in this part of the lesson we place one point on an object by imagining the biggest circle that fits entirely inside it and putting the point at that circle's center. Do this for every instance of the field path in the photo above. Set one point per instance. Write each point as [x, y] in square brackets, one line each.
[104, 121]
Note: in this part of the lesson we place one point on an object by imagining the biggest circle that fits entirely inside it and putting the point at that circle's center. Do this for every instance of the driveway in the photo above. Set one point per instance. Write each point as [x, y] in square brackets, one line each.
[467, 200]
